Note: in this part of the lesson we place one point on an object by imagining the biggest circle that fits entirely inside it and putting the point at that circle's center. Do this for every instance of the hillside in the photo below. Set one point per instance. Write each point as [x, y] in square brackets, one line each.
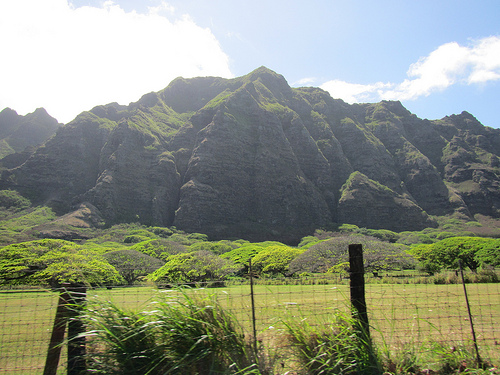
[253, 158]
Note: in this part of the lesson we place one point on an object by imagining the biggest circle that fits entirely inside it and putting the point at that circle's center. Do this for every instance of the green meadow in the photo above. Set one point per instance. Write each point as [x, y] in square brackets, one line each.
[402, 316]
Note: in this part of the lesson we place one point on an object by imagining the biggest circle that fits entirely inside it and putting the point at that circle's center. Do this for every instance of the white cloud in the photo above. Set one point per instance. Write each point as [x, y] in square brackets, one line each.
[305, 81]
[162, 7]
[69, 59]
[486, 61]
[448, 65]
[354, 92]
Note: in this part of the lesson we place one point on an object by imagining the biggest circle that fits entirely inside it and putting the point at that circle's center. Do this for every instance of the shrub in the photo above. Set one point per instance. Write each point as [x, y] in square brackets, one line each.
[159, 248]
[197, 237]
[135, 238]
[11, 199]
[348, 228]
[382, 234]
[308, 241]
[220, 247]
[183, 239]
[162, 232]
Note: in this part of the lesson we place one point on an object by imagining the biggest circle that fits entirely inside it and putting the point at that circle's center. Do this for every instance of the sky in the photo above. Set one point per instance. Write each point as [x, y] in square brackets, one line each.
[437, 57]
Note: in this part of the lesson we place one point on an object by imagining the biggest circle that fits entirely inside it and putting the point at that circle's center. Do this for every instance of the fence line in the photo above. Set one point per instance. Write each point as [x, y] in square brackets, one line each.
[400, 315]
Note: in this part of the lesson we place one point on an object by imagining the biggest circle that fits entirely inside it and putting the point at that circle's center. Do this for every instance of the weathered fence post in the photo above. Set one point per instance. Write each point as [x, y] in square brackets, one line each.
[358, 304]
[252, 299]
[474, 339]
[357, 287]
[57, 337]
[71, 300]
[76, 343]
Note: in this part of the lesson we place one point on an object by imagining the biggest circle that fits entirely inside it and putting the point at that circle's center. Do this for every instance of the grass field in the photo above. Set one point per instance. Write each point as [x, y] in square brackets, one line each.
[26, 320]
[402, 316]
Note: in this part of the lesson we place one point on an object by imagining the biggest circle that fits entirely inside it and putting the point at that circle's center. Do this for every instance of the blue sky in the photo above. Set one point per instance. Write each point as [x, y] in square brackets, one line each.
[437, 57]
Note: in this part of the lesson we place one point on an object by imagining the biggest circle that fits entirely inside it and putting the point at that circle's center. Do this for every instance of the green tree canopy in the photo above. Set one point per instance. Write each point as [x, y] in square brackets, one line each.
[331, 255]
[489, 253]
[132, 264]
[276, 259]
[383, 256]
[194, 267]
[219, 247]
[470, 251]
[159, 248]
[243, 254]
[54, 262]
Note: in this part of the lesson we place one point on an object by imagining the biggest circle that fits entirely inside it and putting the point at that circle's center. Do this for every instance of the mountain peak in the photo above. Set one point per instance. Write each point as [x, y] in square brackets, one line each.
[41, 111]
[266, 74]
[465, 121]
[263, 70]
[8, 112]
[275, 82]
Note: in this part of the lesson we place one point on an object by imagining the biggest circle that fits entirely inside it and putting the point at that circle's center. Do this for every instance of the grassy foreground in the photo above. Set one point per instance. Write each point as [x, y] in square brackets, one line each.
[420, 324]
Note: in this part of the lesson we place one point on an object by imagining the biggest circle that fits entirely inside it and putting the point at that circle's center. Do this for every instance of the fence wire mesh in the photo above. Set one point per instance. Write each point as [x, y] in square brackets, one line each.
[402, 313]
[26, 320]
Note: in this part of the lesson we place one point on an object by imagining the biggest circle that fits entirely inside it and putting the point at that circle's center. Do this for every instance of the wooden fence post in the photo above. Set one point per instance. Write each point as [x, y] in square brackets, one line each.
[57, 337]
[358, 302]
[474, 339]
[252, 298]
[357, 287]
[76, 344]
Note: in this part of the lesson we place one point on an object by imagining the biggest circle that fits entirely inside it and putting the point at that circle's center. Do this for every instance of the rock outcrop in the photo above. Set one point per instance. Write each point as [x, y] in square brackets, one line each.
[367, 203]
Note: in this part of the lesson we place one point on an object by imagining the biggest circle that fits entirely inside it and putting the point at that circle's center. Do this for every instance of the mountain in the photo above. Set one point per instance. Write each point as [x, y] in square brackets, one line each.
[20, 134]
[251, 157]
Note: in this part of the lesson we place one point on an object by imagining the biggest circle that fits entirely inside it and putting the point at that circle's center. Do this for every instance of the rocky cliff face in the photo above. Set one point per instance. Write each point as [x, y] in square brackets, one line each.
[252, 157]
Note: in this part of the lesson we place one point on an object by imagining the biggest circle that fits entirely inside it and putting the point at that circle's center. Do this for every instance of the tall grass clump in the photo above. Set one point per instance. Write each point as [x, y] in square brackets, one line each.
[335, 347]
[122, 341]
[438, 359]
[202, 337]
[184, 334]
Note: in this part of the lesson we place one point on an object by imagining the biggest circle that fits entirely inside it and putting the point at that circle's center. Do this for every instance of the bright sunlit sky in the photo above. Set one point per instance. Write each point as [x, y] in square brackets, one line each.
[438, 57]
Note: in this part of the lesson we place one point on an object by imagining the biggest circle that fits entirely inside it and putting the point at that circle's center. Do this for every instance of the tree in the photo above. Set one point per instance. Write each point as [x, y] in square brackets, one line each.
[74, 268]
[324, 255]
[383, 256]
[332, 255]
[159, 248]
[489, 253]
[194, 267]
[470, 251]
[132, 264]
[426, 261]
[218, 248]
[276, 259]
[242, 255]
[54, 262]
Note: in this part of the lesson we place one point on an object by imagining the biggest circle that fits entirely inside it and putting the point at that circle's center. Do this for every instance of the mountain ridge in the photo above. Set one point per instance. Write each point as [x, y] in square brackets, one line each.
[18, 133]
[251, 157]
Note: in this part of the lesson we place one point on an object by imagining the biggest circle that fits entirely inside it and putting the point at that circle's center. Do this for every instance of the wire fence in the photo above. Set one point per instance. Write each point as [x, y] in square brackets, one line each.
[403, 315]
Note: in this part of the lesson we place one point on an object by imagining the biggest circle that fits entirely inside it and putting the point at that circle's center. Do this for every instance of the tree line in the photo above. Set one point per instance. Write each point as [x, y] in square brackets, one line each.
[164, 255]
